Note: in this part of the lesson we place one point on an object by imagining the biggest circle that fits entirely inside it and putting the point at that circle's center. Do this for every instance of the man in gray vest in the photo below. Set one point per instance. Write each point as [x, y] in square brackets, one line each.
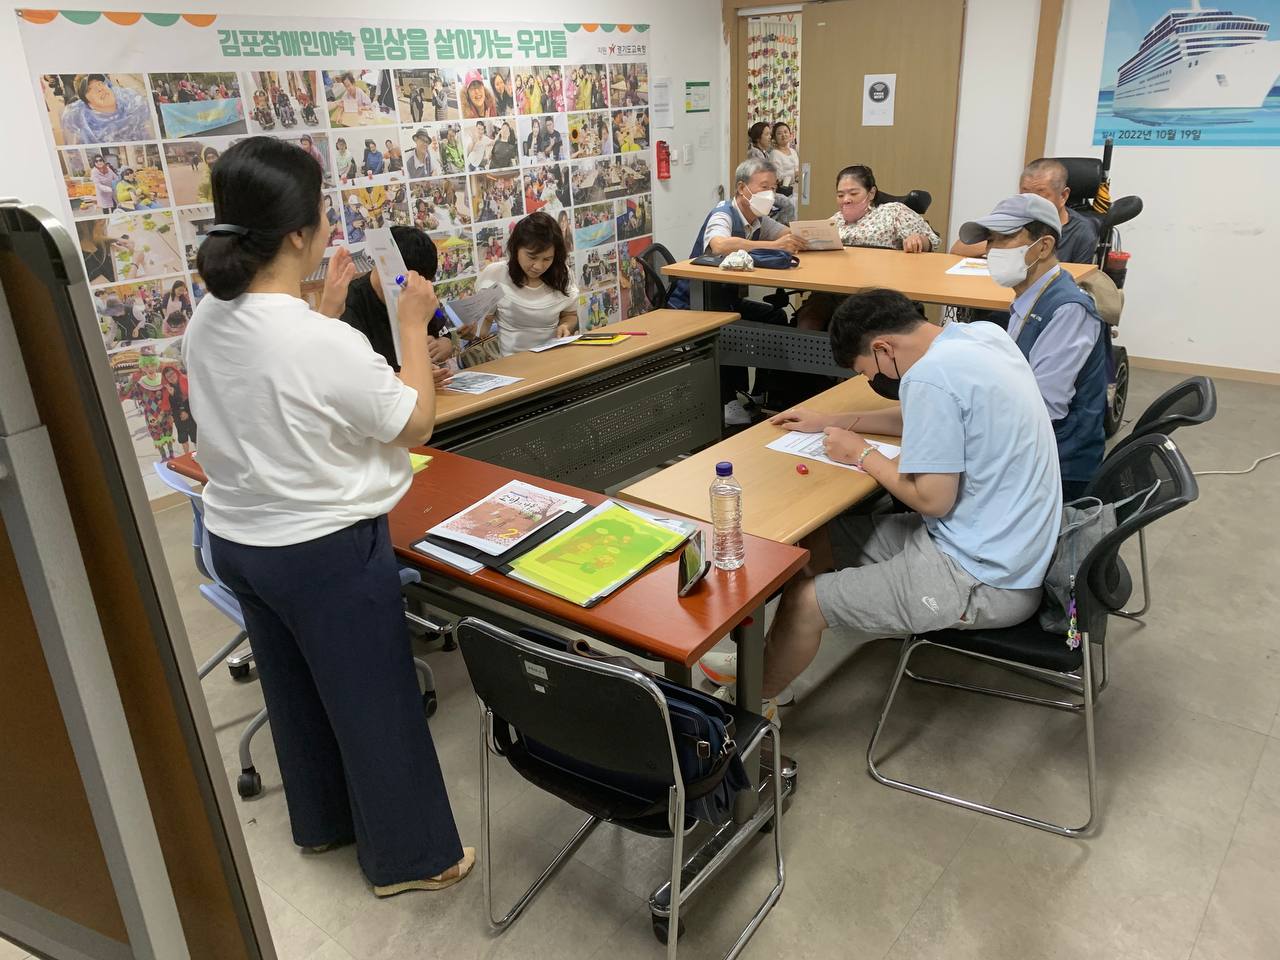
[1056, 326]
[740, 223]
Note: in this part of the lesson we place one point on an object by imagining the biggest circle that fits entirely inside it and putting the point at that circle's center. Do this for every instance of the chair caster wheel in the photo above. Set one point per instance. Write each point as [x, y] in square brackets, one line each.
[662, 924]
[249, 783]
[430, 703]
[239, 671]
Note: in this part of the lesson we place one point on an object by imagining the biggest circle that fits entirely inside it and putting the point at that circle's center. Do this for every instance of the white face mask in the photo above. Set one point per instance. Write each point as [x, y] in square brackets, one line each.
[761, 203]
[1008, 265]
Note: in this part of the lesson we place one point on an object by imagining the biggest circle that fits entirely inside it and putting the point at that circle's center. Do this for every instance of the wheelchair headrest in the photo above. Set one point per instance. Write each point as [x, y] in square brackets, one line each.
[1084, 176]
[917, 200]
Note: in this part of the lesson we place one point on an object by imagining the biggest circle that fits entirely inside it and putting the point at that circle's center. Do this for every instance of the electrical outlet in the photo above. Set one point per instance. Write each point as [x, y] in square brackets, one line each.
[688, 153]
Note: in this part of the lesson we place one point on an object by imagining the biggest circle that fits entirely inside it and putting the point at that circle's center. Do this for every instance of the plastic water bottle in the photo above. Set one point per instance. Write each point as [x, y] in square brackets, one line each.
[727, 548]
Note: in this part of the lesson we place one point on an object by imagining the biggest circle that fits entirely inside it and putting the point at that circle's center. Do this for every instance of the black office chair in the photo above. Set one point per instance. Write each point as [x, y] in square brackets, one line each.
[1152, 461]
[607, 717]
[1193, 401]
[657, 288]
[917, 200]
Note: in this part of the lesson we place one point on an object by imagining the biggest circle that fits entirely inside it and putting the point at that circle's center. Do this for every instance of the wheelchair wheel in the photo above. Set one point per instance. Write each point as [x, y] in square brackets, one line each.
[1117, 393]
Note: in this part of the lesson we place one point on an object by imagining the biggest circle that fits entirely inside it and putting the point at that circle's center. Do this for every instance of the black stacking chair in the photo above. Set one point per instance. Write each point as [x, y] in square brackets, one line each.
[1152, 461]
[607, 717]
[657, 288]
[1193, 401]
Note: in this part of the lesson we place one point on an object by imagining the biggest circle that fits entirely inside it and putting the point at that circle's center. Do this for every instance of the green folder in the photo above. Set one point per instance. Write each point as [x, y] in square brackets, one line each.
[596, 555]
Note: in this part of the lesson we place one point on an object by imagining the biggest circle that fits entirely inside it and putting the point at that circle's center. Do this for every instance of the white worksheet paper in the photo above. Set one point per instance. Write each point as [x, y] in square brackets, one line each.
[558, 342]
[970, 267]
[468, 381]
[809, 446]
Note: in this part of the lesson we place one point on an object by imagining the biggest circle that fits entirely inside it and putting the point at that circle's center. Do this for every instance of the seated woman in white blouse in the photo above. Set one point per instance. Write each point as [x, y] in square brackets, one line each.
[539, 300]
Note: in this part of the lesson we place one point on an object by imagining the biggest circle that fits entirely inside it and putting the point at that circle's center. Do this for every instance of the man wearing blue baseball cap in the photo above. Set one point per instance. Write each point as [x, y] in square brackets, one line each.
[1056, 326]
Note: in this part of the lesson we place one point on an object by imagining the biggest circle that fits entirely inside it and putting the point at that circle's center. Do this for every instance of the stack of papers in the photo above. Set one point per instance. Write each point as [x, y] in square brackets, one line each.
[558, 342]
[809, 446]
[591, 558]
[469, 381]
[506, 517]
[970, 267]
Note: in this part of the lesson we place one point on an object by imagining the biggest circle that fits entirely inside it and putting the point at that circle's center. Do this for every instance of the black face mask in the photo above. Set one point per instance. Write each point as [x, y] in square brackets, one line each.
[884, 385]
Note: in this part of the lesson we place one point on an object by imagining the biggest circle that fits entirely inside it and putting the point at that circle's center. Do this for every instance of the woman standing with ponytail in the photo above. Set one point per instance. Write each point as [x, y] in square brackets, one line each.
[303, 430]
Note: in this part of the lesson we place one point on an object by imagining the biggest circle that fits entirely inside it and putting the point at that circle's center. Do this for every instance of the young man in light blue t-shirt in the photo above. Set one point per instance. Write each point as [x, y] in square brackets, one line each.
[979, 465]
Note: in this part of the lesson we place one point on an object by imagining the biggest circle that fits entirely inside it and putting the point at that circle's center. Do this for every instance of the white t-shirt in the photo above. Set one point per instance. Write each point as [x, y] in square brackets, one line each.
[296, 412]
[527, 316]
[788, 165]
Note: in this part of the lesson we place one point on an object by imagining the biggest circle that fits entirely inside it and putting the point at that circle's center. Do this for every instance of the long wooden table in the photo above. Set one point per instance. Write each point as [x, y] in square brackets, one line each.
[920, 276]
[596, 415]
[646, 615]
[778, 502]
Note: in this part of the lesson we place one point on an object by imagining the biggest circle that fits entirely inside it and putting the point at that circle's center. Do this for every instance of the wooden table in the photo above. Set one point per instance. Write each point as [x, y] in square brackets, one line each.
[595, 416]
[920, 276]
[778, 503]
[645, 616]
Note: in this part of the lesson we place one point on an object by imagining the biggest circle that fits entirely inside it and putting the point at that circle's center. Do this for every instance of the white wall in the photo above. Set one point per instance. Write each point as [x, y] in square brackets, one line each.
[996, 64]
[685, 43]
[1204, 247]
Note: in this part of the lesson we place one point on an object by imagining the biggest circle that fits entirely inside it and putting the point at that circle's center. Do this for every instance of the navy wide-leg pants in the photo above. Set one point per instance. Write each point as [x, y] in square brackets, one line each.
[326, 624]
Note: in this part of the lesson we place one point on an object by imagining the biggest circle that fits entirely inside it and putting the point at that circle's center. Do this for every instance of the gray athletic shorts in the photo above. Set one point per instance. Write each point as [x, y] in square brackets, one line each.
[891, 580]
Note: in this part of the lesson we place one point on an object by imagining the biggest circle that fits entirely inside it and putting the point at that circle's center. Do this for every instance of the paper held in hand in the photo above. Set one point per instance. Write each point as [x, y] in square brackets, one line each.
[809, 446]
[390, 264]
[505, 517]
[817, 234]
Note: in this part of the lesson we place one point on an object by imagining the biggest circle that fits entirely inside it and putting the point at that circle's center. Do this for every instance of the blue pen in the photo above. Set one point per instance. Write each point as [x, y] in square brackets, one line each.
[401, 280]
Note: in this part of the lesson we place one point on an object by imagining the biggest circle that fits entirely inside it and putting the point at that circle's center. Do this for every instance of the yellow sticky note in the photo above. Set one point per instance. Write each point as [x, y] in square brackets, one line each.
[419, 461]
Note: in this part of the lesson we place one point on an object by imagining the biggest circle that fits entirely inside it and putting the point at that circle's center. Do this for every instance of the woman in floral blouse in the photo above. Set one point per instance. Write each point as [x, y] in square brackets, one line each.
[864, 223]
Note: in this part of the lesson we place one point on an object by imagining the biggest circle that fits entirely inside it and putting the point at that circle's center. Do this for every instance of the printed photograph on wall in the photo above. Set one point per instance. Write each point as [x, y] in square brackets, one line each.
[491, 242]
[593, 226]
[198, 104]
[439, 204]
[598, 308]
[455, 256]
[453, 157]
[368, 208]
[101, 179]
[282, 100]
[631, 276]
[597, 268]
[630, 131]
[635, 216]
[547, 189]
[359, 98]
[586, 87]
[609, 178]
[426, 95]
[129, 246]
[589, 134]
[1190, 75]
[539, 90]
[190, 164]
[89, 108]
[193, 227]
[456, 289]
[496, 196]
[628, 84]
[367, 157]
[544, 139]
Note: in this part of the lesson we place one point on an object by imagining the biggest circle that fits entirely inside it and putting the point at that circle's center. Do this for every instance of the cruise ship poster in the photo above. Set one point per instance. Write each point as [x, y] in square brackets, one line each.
[1194, 73]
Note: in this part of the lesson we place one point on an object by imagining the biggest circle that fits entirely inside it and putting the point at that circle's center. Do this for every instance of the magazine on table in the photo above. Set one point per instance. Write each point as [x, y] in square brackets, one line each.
[506, 517]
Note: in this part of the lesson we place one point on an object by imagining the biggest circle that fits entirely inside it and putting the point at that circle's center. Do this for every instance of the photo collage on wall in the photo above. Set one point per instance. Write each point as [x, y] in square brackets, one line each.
[461, 152]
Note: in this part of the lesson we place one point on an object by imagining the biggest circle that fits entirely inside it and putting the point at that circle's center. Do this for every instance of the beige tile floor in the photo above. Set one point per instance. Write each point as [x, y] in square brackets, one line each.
[1185, 867]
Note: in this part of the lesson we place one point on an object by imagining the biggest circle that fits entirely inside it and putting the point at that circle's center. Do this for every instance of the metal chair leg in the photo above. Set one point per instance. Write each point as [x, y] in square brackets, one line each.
[486, 844]
[223, 652]
[675, 819]
[1146, 581]
[246, 738]
[1087, 694]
